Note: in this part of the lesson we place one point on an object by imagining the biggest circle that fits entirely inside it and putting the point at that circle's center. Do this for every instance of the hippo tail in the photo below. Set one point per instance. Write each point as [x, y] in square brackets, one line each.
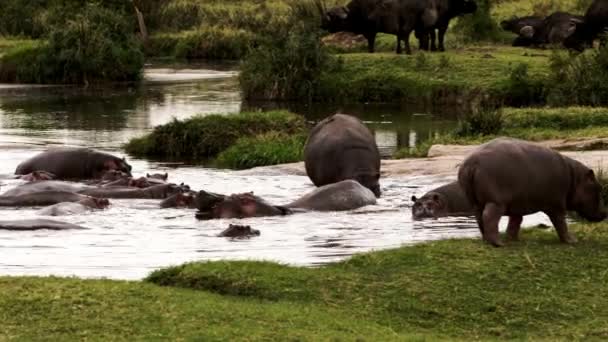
[466, 179]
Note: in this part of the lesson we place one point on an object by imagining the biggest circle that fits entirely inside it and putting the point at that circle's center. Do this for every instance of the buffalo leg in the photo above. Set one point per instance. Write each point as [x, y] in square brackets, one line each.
[433, 38]
[513, 227]
[371, 41]
[491, 216]
[441, 37]
[559, 222]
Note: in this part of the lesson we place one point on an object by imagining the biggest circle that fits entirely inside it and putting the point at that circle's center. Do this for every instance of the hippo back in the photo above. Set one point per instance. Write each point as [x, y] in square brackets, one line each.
[341, 147]
[43, 186]
[344, 195]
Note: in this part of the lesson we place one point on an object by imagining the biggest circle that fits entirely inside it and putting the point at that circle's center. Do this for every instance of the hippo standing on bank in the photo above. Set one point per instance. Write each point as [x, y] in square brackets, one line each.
[344, 195]
[73, 163]
[516, 178]
[446, 200]
[341, 147]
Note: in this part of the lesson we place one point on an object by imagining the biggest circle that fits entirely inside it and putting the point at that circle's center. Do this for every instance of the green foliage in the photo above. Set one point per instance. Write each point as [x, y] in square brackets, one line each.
[288, 63]
[522, 88]
[204, 137]
[565, 118]
[479, 26]
[19, 18]
[267, 149]
[579, 80]
[483, 121]
[461, 289]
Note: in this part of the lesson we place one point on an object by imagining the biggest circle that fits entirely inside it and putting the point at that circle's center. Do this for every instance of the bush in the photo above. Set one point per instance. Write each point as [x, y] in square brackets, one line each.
[288, 63]
[267, 149]
[480, 25]
[483, 121]
[204, 137]
[578, 80]
[523, 89]
[19, 17]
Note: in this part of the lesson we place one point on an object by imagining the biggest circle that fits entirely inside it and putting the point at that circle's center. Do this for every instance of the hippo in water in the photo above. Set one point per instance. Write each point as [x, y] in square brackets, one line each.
[160, 191]
[341, 147]
[73, 163]
[344, 195]
[239, 231]
[40, 198]
[37, 224]
[71, 208]
[446, 200]
[515, 178]
[180, 200]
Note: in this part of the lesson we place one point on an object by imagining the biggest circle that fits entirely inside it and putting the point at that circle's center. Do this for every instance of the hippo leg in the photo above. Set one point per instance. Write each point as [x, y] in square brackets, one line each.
[513, 227]
[559, 222]
[491, 216]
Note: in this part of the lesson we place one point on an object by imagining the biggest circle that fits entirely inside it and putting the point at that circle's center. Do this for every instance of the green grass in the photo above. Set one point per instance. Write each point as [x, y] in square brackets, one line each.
[267, 149]
[535, 124]
[456, 75]
[462, 289]
[203, 137]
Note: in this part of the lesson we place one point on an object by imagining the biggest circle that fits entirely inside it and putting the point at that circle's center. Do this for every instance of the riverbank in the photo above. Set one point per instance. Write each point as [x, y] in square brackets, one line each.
[446, 290]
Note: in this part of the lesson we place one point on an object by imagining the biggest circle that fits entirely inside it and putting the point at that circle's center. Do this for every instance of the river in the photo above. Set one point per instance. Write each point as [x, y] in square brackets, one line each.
[134, 237]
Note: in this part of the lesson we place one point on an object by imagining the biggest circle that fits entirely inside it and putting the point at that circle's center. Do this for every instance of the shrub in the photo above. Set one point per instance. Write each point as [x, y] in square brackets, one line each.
[288, 63]
[523, 89]
[203, 137]
[266, 149]
[483, 121]
[19, 17]
[479, 25]
[580, 80]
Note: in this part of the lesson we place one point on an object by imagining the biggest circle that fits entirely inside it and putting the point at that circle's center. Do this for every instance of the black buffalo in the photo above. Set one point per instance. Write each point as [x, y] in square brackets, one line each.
[554, 29]
[370, 17]
[446, 11]
[516, 25]
[593, 25]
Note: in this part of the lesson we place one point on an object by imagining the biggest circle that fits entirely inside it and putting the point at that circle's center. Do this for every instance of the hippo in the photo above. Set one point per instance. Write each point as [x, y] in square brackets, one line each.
[41, 198]
[159, 176]
[238, 231]
[37, 224]
[341, 147]
[515, 178]
[160, 191]
[344, 195]
[37, 175]
[71, 208]
[180, 200]
[446, 200]
[140, 182]
[73, 163]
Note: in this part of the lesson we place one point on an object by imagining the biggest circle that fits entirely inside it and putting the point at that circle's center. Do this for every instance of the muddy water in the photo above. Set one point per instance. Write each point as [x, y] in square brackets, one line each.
[133, 237]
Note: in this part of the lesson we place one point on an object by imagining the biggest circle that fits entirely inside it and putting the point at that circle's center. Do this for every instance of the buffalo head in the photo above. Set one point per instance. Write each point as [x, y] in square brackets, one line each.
[336, 20]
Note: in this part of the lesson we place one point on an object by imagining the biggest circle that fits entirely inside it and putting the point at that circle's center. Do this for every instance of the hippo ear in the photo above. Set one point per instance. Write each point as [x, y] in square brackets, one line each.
[147, 175]
[166, 176]
[414, 199]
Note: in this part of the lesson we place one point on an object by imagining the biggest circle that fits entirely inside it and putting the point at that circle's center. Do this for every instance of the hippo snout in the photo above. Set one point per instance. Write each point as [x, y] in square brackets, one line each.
[376, 190]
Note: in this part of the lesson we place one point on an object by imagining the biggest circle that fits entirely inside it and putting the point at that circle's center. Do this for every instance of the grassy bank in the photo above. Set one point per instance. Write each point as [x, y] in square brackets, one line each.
[447, 290]
[535, 124]
[204, 137]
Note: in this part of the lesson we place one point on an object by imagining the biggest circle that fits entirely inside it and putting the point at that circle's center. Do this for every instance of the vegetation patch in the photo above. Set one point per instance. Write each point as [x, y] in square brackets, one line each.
[203, 137]
[270, 148]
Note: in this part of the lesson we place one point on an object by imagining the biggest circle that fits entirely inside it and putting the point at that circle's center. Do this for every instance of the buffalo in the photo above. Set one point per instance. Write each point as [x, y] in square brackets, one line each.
[522, 27]
[593, 25]
[446, 11]
[370, 17]
[554, 29]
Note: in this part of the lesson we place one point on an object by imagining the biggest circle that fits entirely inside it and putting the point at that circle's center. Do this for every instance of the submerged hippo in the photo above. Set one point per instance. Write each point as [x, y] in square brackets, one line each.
[37, 176]
[180, 200]
[37, 224]
[516, 178]
[446, 200]
[341, 147]
[159, 176]
[160, 191]
[73, 163]
[344, 195]
[235, 230]
[72, 208]
[41, 198]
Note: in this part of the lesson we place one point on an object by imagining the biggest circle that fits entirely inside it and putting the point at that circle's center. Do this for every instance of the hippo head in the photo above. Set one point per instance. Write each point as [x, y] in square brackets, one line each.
[236, 206]
[159, 176]
[38, 176]
[96, 203]
[180, 200]
[587, 198]
[235, 230]
[336, 20]
[430, 205]
[141, 182]
[370, 181]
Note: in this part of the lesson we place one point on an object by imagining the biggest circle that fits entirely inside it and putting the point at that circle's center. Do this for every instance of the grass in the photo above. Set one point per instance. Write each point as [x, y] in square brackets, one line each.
[456, 75]
[458, 289]
[266, 149]
[535, 124]
[203, 137]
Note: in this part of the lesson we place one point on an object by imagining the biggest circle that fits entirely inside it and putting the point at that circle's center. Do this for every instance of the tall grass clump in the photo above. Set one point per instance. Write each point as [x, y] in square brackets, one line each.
[266, 149]
[578, 80]
[486, 120]
[203, 137]
[288, 62]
